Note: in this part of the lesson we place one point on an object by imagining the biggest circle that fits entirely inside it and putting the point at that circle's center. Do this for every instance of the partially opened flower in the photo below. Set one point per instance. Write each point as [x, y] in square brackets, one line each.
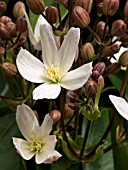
[38, 141]
[53, 72]
[35, 37]
[121, 105]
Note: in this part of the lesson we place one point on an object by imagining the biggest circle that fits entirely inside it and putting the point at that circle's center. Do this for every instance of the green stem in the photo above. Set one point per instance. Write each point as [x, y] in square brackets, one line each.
[86, 135]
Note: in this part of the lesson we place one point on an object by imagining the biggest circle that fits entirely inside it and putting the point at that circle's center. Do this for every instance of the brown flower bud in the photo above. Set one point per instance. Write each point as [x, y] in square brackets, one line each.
[3, 6]
[123, 60]
[101, 81]
[9, 68]
[55, 115]
[85, 4]
[98, 1]
[5, 19]
[99, 8]
[113, 68]
[21, 24]
[22, 40]
[87, 52]
[100, 67]
[110, 7]
[118, 28]
[4, 32]
[124, 40]
[95, 75]
[73, 105]
[36, 6]
[126, 10]
[51, 14]
[68, 111]
[110, 50]
[65, 3]
[100, 29]
[72, 96]
[18, 10]
[12, 28]
[91, 88]
[2, 51]
[81, 17]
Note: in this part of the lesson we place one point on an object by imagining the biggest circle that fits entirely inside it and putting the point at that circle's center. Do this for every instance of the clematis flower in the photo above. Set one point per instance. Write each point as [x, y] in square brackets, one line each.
[54, 71]
[38, 141]
[35, 37]
[121, 105]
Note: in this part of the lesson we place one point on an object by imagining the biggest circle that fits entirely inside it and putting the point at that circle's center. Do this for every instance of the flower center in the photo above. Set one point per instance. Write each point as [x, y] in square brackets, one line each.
[54, 73]
[36, 145]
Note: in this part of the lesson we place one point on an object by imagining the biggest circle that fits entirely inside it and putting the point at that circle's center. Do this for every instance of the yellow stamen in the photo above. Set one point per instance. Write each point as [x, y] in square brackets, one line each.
[36, 145]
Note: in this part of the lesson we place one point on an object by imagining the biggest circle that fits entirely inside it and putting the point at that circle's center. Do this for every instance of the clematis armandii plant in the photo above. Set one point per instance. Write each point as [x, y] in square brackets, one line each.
[53, 72]
[38, 141]
[35, 37]
[121, 105]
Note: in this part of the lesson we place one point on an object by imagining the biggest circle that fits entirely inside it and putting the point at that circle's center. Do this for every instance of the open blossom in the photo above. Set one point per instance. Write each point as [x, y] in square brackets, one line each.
[121, 105]
[53, 72]
[38, 141]
[35, 37]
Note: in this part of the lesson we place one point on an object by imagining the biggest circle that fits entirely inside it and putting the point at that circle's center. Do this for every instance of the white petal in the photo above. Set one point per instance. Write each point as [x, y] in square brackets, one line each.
[27, 121]
[41, 20]
[121, 105]
[66, 54]
[38, 46]
[56, 155]
[47, 91]
[30, 67]
[30, 31]
[77, 78]
[49, 48]
[22, 147]
[46, 126]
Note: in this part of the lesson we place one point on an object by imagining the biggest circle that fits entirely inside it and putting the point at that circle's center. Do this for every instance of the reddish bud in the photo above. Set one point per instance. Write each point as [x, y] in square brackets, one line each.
[4, 32]
[124, 40]
[123, 60]
[55, 115]
[101, 81]
[18, 10]
[100, 8]
[91, 88]
[87, 52]
[126, 10]
[9, 68]
[113, 68]
[98, 1]
[72, 96]
[2, 51]
[51, 14]
[110, 7]
[85, 4]
[36, 6]
[100, 29]
[3, 6]
[118, 28]
[95, 75]
[21, 24]
[5, 19]
[73, 105]
[110, 50]
[22, 40]
[12, 28]
[81, 17]
[100, 67]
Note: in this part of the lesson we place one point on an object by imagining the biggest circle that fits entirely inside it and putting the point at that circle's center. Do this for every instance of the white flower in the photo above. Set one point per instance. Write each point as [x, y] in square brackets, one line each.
[38, 141]
[53, 72]
[35, 37]
[121, 105]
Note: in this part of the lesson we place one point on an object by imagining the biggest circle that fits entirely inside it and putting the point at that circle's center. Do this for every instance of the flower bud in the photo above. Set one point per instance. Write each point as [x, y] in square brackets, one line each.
[91, 88]
[99, 8]
[81, 17]
[100, 67]
[65, 3]
[101, 81]
[113, 68]
[21, 24]
[3, 6]
[2, 51]
[55, 115]
[4, 32]
[5, 19]
[51, 14]
[36, 6]
[123, 60]
[98, 1]
[87, 52]
[110, 50]
[9, 68]
[22, 40]
[72, 96]
[68, 111]
[124, 40]
[12, 28]
[85, 4]
[73, 105]
[110, 7]
[100, 29]
[118, 28]
[95, 75]
[18, 10]
[126, 10]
